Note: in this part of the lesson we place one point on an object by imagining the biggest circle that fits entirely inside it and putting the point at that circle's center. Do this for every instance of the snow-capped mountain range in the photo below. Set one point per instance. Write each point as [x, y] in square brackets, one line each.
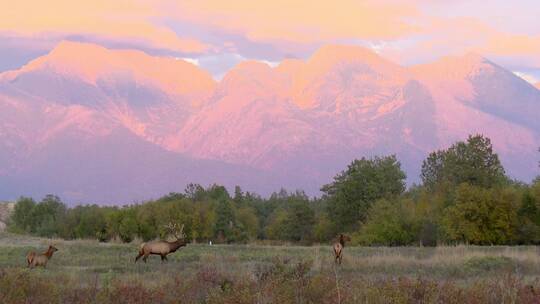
[111, 126]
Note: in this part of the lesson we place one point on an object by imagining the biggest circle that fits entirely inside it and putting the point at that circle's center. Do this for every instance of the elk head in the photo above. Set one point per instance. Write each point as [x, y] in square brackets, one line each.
[344, 238]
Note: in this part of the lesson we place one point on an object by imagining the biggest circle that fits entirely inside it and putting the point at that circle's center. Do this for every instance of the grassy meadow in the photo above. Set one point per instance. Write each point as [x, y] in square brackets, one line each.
[91, 272]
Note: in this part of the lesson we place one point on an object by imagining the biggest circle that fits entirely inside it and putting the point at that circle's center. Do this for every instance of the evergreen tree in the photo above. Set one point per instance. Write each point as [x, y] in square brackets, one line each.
[238, 196]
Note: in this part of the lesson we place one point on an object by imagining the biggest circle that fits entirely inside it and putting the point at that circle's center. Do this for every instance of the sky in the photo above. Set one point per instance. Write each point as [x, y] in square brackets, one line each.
[218, 34]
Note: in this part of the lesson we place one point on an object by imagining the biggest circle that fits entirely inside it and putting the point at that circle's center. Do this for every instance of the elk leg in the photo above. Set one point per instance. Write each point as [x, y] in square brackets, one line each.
[163, 258]
[138, 257]
[145, 257]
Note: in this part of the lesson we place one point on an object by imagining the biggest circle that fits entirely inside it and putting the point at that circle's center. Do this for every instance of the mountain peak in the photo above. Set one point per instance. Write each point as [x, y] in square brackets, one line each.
[455, 67]
[252, 78]
[247, 71]
[472, 57]
[91, 62]
[537, 85]
[68, 47]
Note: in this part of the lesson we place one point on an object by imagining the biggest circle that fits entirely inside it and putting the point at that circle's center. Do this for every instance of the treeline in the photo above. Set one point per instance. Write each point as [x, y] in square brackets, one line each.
[465, 197]
[207, 214]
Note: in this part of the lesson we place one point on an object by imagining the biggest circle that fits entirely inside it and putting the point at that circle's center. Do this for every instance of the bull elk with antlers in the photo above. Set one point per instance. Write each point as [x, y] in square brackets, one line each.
[338, 248]
[163, 248]
[33, 259]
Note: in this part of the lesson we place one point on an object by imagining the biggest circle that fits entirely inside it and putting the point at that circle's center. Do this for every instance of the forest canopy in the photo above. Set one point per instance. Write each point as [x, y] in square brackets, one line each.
[464, 197]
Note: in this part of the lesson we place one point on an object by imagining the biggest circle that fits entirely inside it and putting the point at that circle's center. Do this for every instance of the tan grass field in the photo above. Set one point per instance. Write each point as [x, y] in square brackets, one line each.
[86, 271]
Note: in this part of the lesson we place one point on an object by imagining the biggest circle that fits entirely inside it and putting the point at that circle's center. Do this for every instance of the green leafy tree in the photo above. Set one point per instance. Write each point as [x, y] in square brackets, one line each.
[529, 214]
[218, 193]
[90, 222]
[204, 218]
[113, 220]
[127, 226]
[482, 216]
[275, 229]
[48, 216]
[175, 196]
[225, 221]
[323, 229]
[389, 223]
[248, 220]
[147, 216]
[299, 222]
[22, 219]
[195, 192]
[355, 189]
[473, 162]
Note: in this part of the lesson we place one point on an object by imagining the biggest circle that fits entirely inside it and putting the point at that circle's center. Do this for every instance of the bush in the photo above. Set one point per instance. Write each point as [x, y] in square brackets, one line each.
[389, 223]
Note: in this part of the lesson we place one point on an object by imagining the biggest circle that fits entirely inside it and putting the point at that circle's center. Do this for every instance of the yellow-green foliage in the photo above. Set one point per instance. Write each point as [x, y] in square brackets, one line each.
[482, 216]
[465, 198]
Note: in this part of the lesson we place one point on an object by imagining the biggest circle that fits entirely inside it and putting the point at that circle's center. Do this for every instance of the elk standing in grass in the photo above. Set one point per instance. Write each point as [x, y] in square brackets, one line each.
[33, 259]
[163, 248]
[338, 248]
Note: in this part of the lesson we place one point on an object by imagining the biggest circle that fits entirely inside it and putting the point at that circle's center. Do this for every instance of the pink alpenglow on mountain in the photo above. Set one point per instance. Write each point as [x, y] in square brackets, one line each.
[92, 63]
[100, 125]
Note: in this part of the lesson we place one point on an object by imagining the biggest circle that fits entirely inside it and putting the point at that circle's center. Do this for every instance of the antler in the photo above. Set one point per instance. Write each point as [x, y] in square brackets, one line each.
[176, 230]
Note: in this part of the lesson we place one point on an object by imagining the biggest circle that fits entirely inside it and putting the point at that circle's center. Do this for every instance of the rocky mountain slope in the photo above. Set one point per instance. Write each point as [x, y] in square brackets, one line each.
[93, 124]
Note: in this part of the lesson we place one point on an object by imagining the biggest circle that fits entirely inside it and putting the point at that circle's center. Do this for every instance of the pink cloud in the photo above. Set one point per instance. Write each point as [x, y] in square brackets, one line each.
[302, 21]
[409, 32]
[114, 20]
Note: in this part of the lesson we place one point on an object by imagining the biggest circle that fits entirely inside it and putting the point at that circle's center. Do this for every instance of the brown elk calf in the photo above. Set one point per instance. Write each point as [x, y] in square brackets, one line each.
[33, 259]
[338, 248]
[163, 248]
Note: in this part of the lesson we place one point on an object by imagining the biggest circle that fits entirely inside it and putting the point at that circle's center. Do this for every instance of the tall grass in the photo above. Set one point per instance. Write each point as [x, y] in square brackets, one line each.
[92, 272]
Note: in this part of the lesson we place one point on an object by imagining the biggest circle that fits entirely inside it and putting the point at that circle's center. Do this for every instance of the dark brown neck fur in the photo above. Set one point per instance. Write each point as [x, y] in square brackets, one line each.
[176, 244]
[49, 253]
[342, 240]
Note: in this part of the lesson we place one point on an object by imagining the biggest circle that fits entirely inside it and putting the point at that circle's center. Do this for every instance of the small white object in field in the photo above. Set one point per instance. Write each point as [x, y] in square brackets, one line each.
[210, 243]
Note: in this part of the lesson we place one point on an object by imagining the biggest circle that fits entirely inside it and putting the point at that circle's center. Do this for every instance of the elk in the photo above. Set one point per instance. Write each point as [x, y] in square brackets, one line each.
[33, 259]
[163, 248]
[338, 248]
